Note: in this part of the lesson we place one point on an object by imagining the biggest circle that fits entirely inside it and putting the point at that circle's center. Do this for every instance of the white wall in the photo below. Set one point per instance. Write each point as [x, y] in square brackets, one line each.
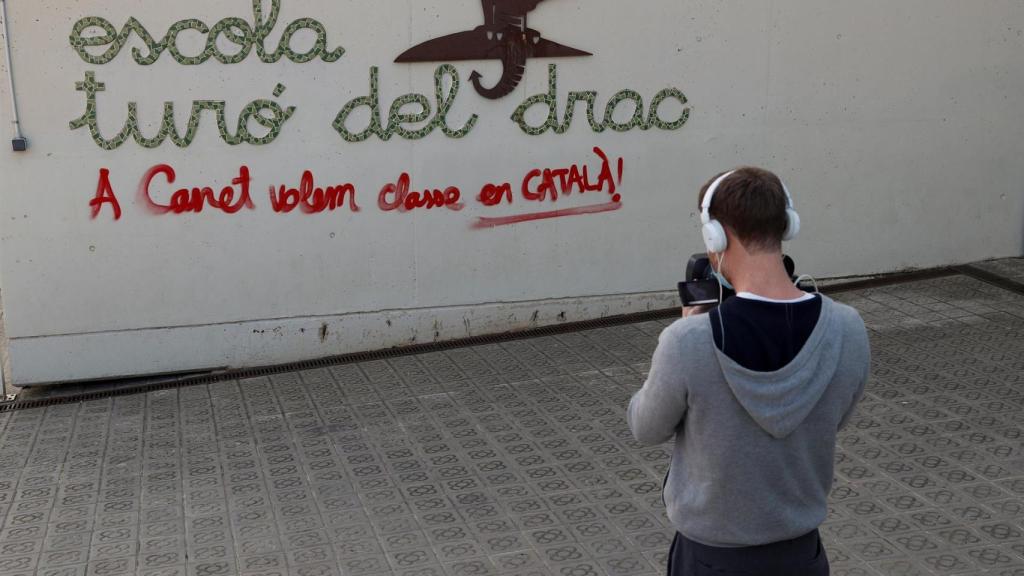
[897, 126]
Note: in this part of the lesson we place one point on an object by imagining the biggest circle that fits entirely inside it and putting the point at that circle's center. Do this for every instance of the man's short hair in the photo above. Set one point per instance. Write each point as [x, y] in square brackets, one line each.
[752, 204]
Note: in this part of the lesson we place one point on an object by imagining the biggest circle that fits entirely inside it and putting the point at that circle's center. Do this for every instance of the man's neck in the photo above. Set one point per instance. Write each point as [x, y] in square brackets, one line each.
[762, 273]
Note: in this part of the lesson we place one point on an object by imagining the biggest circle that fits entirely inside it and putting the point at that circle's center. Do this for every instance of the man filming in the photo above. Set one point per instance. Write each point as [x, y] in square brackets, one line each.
[754, 394]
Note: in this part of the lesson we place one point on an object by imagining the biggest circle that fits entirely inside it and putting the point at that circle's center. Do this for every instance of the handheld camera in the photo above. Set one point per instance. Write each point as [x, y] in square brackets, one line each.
[702, 288]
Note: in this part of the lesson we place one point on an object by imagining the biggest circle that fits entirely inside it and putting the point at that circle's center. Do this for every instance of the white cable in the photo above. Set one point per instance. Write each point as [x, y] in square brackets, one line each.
[721, 297]
[807, 277]
[10, 70]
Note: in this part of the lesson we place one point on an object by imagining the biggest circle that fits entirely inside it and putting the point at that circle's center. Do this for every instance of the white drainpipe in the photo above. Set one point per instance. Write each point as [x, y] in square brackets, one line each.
[19, 143]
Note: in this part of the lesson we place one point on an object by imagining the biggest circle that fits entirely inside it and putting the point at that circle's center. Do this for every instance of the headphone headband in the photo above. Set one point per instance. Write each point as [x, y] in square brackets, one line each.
[789, 199]
[714, 234]
[705, 207]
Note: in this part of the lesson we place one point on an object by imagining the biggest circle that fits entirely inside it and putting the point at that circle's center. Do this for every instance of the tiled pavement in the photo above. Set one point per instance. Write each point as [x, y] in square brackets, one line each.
[511, 458]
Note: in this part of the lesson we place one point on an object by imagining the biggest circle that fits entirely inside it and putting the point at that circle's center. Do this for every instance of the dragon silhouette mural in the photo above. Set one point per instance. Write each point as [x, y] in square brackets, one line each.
[504, 36]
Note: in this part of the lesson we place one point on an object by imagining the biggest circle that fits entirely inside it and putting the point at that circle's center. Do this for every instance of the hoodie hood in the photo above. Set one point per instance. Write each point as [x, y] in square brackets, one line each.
[780, 401]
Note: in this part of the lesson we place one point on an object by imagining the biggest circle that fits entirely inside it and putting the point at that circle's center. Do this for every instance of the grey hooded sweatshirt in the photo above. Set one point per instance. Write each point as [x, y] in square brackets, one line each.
[754, 451]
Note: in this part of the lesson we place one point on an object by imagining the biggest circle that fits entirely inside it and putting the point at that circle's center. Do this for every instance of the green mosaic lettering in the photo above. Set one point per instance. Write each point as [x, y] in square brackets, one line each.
[655, 120]
[637, 120]
[266, 113]
[171, 42]
[235, 30]
[445, 98]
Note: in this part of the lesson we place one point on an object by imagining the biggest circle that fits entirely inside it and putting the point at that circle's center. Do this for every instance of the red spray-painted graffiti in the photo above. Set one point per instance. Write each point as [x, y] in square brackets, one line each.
[312, 200]
[518, 218]
[195, 199]
[494, 194]
[396, 196]
[541, 185]
[104, 195]
[551, 184]
[574, 178]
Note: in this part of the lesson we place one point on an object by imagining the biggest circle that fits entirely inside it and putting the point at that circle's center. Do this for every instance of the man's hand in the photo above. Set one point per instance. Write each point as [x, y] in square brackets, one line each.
[695, 310]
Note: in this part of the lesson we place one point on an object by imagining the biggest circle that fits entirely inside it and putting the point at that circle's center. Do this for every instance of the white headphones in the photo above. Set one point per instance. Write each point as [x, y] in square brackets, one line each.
[713, 232]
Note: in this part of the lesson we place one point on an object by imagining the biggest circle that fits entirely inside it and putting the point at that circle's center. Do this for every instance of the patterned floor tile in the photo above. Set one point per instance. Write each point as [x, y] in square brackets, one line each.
[512, 458]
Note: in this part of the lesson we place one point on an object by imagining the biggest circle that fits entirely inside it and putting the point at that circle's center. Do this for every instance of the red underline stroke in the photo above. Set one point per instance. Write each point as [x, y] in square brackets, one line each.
[579, 211]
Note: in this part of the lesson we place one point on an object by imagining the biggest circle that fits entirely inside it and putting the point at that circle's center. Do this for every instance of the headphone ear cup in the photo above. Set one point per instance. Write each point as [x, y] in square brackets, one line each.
[714, 237]
[792, 224]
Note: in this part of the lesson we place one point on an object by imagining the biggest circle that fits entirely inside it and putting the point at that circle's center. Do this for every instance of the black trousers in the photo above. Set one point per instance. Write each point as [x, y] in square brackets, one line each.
[803, 556]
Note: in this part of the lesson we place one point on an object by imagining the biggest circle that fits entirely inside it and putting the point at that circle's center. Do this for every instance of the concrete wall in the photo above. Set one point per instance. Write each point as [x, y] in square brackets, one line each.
[896, 125]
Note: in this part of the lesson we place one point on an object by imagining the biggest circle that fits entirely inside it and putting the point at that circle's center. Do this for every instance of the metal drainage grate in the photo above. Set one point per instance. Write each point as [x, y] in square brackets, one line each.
[887, 280]
[991, 278]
